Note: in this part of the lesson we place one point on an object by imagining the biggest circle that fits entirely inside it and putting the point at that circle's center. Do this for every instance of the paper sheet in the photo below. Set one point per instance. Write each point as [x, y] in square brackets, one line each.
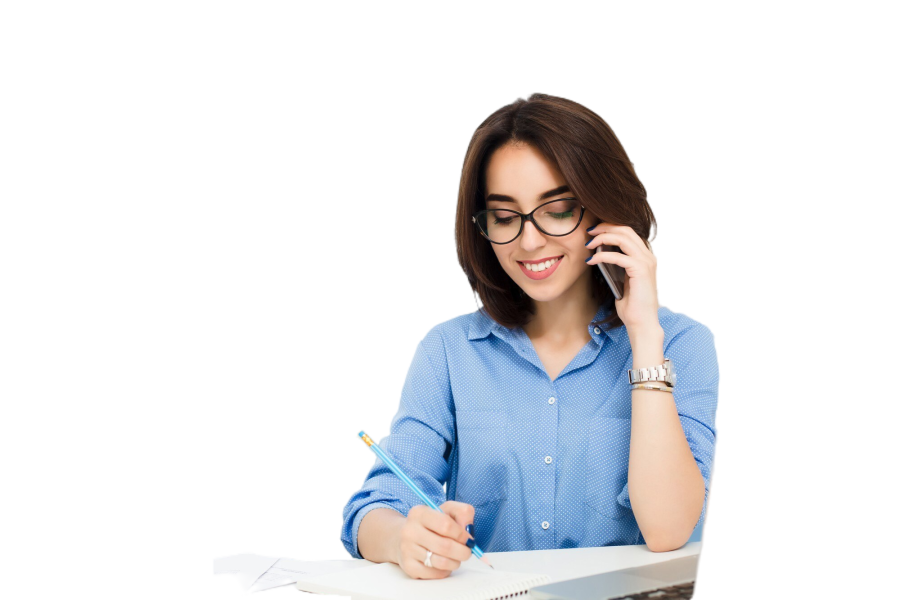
[247, 567]
[387, 581]
[257, 573]
[287, 571]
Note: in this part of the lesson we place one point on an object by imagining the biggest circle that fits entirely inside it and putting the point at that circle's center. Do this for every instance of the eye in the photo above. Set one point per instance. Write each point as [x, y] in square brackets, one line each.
[502, 217]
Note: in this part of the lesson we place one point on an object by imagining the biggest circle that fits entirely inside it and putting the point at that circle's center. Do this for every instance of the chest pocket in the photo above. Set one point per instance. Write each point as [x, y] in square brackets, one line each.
[607, 465]
[483, 448]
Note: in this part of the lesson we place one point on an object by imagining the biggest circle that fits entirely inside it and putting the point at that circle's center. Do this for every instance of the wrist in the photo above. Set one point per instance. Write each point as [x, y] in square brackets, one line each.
[645, 332]
[396, 535]
[646, 335]
[647, 347]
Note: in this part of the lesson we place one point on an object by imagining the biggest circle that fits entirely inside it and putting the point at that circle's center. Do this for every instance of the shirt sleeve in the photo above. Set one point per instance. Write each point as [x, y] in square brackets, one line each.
[696, 392]
[420, 440]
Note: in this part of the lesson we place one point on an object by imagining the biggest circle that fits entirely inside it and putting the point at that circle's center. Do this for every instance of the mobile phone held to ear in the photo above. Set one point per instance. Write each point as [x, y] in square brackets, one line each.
[613, 274]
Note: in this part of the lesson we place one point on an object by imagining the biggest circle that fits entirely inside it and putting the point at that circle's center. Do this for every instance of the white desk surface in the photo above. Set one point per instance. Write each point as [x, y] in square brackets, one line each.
[560, 565]
[570, 563]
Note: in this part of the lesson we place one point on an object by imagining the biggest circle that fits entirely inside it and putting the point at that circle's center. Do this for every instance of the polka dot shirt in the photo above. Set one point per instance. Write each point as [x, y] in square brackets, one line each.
[544, 462]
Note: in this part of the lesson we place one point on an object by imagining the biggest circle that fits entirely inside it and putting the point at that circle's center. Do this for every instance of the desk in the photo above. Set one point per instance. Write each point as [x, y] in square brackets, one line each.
[560, 565]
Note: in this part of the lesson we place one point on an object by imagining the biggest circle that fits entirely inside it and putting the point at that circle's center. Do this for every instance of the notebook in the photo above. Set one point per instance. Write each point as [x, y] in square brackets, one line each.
[387, 581]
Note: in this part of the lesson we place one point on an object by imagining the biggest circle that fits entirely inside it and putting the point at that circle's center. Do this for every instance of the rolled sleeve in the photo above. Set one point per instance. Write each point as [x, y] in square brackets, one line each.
[420, 440]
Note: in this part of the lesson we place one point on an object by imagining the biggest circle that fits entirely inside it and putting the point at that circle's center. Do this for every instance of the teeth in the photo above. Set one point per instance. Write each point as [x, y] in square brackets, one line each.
[538, 267]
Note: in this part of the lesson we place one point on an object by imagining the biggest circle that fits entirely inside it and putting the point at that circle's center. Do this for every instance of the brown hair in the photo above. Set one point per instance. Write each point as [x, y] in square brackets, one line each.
[595, 166]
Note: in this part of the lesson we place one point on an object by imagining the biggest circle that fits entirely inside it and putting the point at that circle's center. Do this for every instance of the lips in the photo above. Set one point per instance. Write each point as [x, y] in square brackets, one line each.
[537, 275]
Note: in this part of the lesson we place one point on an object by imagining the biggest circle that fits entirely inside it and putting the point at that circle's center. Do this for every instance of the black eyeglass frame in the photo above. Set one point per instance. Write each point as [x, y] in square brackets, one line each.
[523, 219]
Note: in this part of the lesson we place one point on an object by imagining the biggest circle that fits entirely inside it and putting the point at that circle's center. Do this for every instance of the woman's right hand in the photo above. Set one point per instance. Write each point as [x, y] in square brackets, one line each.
[443, 533]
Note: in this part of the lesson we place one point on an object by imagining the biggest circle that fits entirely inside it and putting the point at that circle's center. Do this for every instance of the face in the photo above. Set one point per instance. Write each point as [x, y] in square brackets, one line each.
[521, 174]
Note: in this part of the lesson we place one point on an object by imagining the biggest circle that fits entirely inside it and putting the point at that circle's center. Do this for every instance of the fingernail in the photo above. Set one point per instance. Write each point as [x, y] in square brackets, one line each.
[470, 543]
[591, 227]
[586, 243]
[471, 529]
[588, 258]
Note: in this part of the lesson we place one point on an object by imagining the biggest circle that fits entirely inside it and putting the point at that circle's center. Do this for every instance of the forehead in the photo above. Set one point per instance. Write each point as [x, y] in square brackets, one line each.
[522, 173]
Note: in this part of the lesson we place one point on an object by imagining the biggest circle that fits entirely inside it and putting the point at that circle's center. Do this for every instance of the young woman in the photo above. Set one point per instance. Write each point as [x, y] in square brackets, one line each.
[526, 408]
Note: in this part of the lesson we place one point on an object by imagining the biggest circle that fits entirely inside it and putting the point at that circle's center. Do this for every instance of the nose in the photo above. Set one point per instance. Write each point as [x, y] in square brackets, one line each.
[531, 238]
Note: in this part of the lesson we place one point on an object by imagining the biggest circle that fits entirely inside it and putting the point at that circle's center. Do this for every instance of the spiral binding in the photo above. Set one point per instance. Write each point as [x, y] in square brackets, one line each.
[505, 591]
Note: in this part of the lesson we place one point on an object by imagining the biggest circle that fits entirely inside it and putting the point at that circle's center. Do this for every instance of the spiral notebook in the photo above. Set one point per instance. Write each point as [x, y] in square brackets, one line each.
[387, 581]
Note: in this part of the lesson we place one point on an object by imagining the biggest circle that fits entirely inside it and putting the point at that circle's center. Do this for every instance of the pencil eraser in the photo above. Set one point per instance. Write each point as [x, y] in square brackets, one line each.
[362, 433]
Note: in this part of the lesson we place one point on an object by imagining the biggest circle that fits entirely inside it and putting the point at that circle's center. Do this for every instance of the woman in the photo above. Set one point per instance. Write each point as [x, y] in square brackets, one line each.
[524, 407]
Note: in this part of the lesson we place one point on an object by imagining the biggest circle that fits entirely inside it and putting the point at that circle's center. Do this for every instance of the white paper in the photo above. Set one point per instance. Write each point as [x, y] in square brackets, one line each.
[256, 573]
[247, 567]
[226, 565]
[387, 580]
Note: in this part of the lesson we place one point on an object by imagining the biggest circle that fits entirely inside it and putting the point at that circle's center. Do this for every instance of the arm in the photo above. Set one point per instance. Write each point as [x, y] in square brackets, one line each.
[666, 487]
[422, 432]
[672, 435]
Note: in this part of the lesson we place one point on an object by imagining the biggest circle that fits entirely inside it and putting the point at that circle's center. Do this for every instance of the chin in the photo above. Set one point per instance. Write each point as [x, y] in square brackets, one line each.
[544, 295]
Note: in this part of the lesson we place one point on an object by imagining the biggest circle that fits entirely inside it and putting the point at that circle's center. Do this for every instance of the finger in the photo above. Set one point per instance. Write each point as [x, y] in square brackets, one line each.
[462, 513]
[444, 546]
[621, 240]
[414, 564]
[616, 258]
[621, 230]
[439, 561]
[446, 523]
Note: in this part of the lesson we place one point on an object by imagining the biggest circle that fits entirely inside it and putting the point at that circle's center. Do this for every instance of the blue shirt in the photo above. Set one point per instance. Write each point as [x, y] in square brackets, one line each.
[544, 463]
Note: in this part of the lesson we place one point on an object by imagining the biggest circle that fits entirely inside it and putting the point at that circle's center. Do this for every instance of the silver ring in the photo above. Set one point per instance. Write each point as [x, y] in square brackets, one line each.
[428, 559]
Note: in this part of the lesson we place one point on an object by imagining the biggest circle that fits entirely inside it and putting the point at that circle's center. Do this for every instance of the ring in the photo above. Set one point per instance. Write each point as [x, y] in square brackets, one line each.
[428, 559]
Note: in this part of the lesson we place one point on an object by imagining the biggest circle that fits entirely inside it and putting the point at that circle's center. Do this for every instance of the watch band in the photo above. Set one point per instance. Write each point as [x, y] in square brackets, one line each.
[658, 387]
[664, 373]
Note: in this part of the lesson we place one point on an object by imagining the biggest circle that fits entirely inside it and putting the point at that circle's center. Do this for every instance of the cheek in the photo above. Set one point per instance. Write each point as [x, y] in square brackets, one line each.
[502, 253]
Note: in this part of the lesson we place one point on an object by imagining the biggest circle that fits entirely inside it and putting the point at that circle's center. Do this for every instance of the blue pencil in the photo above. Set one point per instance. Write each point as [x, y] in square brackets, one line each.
[412, 485]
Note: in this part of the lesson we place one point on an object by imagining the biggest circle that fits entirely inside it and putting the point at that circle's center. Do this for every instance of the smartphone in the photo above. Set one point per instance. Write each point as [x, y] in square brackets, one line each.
[613, 274]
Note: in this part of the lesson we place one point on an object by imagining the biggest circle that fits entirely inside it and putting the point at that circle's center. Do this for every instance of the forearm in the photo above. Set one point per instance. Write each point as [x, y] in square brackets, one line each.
[378, 535]
[664, 482]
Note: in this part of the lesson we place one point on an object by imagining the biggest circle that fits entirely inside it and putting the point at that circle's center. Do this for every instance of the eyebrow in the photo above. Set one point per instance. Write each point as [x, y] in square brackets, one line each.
[548, 194]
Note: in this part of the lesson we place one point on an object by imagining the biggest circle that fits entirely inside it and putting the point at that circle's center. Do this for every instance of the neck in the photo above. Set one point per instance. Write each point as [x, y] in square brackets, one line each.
[566, 317]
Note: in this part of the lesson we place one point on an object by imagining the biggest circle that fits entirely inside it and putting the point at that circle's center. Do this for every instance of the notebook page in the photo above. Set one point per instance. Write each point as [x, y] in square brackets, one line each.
[387, 581]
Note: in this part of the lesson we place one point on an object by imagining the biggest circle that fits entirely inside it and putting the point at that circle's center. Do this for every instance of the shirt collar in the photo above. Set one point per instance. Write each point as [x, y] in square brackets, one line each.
[614, 334]
[482, 325]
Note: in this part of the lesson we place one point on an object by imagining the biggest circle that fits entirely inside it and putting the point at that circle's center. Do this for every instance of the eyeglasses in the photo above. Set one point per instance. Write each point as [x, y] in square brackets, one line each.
[556, 218]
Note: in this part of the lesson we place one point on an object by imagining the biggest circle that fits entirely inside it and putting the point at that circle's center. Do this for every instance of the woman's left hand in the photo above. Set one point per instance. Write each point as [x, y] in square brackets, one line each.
[639, 305]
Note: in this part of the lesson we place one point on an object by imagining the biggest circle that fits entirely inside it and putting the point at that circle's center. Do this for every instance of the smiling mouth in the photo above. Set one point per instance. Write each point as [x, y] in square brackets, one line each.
[539, 266]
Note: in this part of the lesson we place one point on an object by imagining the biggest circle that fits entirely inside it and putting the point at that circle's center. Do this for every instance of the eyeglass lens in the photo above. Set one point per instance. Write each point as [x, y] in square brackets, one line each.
[559, 217]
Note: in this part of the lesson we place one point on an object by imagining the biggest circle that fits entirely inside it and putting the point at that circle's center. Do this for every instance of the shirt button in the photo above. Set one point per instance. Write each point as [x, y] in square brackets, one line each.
[545, 525]
[596, 330]
[551, 400]
[548, 460]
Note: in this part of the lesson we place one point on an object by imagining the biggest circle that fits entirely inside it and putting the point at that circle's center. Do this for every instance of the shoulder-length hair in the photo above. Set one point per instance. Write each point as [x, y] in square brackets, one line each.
[595, 166]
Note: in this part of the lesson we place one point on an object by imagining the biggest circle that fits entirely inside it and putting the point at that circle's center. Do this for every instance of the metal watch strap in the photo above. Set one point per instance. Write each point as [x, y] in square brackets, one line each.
[664, 372]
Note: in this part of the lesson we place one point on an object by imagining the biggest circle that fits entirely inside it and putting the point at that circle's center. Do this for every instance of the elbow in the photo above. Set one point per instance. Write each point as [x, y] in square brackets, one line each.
[664, 541]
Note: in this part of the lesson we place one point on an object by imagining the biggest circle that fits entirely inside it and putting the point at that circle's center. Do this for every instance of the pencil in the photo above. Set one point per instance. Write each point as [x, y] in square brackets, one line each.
[412, 485]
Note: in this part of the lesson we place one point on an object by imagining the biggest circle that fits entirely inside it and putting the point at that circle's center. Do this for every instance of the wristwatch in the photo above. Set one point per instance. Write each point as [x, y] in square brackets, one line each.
[664, 372]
